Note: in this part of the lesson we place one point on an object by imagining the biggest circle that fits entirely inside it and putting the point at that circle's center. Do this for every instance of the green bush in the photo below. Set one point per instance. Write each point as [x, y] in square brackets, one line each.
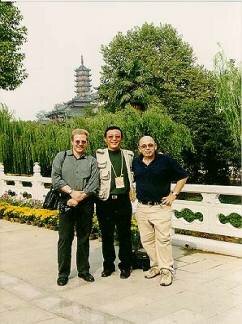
[189, 215]
[234, 219]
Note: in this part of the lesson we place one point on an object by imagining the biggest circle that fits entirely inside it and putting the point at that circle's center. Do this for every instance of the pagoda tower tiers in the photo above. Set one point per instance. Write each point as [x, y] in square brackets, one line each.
[83, 96]
[83, 81]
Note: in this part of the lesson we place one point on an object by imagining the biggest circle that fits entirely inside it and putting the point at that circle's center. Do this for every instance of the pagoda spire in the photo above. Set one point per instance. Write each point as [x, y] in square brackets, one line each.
[83, 81]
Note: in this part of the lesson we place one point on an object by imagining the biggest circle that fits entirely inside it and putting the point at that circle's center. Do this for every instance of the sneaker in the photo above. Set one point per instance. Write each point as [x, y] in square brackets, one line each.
[153, 272]
[166, 277]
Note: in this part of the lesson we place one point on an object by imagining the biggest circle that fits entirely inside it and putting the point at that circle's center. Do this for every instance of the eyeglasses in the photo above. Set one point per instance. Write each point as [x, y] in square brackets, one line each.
[114, 136]
[80, 142]
[144, 146]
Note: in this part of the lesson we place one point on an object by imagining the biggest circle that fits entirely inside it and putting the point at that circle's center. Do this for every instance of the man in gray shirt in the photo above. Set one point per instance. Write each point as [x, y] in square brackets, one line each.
[76, 176]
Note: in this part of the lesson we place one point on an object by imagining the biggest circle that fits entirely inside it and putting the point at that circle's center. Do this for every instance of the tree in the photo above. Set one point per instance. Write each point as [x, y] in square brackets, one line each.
[214, 123]
[24, 142]
[214, 151]
[41, 115]
[153, 66]
[12, 36]
[228, 93]
[148, 65]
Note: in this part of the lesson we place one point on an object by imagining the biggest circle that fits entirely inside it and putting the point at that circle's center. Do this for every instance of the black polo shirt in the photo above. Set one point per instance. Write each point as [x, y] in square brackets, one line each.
[153, 181]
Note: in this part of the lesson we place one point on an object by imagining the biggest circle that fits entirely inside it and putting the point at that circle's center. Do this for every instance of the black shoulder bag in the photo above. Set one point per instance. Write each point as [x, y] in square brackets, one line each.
[53, 197]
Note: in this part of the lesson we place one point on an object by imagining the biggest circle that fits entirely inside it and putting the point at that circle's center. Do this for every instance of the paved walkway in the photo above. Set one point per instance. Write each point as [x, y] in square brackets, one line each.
[207, 288]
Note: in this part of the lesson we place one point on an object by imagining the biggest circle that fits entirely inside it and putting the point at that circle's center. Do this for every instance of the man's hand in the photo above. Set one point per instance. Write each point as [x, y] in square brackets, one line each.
[78, 195]
[84, 195]
[72, 202]
[168, 200]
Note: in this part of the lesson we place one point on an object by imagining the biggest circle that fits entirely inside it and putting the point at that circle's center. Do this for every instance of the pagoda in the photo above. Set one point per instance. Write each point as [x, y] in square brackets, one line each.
[83, 96]
[84, 100]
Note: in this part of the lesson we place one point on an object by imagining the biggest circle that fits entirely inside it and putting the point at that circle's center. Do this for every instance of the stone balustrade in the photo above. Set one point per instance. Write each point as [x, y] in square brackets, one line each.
[209, 206]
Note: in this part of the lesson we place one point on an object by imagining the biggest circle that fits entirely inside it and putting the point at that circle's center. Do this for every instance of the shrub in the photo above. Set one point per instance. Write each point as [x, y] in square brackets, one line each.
[189, 215]
[234, 219]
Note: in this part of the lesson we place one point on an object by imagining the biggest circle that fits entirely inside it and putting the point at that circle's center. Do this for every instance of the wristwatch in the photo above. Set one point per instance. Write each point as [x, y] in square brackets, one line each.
[175, 193]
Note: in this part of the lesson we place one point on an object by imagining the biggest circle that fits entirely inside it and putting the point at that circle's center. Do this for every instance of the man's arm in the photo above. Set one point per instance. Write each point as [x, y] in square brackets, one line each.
[92, 185]
[172, 196]
[56, 173]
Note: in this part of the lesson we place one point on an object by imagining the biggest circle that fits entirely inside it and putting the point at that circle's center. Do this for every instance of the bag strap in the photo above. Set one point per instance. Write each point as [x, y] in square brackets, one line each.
[64, 157]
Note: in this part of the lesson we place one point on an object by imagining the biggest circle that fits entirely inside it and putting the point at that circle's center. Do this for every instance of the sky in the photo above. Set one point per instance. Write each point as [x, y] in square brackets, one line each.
[59, 32]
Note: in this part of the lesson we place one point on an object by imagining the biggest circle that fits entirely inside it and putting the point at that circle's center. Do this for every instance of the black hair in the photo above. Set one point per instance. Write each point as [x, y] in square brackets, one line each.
[111, 128]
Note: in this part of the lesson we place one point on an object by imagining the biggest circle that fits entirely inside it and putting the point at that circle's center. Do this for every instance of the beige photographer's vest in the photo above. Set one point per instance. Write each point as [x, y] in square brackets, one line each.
[104, 165]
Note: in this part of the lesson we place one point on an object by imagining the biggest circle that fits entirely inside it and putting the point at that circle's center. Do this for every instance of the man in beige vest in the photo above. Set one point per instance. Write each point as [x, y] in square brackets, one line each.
[113, 208]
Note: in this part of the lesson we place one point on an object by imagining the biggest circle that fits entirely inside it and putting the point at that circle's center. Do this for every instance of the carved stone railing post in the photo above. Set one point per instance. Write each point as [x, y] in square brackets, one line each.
[38, 182]
[36, 169]
[210, 198]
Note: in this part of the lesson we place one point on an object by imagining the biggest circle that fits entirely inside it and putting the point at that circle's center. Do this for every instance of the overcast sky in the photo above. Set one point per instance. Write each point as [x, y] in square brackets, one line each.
[59, 32]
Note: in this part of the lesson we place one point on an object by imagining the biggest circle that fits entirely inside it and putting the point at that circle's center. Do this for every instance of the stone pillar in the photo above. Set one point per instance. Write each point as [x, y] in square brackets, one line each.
[36, 169]
[38, 183]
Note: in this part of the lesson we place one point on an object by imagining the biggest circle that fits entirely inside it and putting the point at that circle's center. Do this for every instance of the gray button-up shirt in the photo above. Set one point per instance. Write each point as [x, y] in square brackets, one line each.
[80, 174]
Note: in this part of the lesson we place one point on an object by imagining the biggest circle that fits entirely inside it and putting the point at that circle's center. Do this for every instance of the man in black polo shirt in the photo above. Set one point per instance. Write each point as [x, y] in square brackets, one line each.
[153, 176]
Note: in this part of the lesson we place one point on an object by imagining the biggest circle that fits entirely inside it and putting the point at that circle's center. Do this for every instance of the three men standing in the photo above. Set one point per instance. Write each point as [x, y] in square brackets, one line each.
[79, 176]
[113, 207]
[76, 176]
[154, 173]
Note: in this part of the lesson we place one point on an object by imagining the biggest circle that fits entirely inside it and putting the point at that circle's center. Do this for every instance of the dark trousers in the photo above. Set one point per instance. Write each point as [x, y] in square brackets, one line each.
[111, 214]
[77, 219]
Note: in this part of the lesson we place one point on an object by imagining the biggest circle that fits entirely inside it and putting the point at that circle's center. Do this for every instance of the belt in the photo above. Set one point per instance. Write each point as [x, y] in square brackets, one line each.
[115, 197]
[150, 203]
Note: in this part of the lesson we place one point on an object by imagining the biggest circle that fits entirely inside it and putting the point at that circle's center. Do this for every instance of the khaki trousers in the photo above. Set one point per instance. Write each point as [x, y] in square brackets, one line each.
[154, 224]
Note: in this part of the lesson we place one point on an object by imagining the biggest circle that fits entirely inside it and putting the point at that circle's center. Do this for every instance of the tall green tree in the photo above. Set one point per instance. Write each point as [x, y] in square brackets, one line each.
[214, 150]
[12, 37]
[150, 64]
[228, 93]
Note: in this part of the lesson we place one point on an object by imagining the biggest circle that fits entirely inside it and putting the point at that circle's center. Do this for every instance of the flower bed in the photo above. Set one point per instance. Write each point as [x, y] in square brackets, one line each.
[49, 219]
[33, 216]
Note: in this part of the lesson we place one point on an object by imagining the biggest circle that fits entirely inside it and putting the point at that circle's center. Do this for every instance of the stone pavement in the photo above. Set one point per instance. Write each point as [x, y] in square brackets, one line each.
[207, 287]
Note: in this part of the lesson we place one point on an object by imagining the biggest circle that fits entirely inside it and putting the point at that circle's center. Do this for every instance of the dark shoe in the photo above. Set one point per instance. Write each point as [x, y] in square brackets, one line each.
[125, 273]
[86, 276]
[107, 273]
[62, 281]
